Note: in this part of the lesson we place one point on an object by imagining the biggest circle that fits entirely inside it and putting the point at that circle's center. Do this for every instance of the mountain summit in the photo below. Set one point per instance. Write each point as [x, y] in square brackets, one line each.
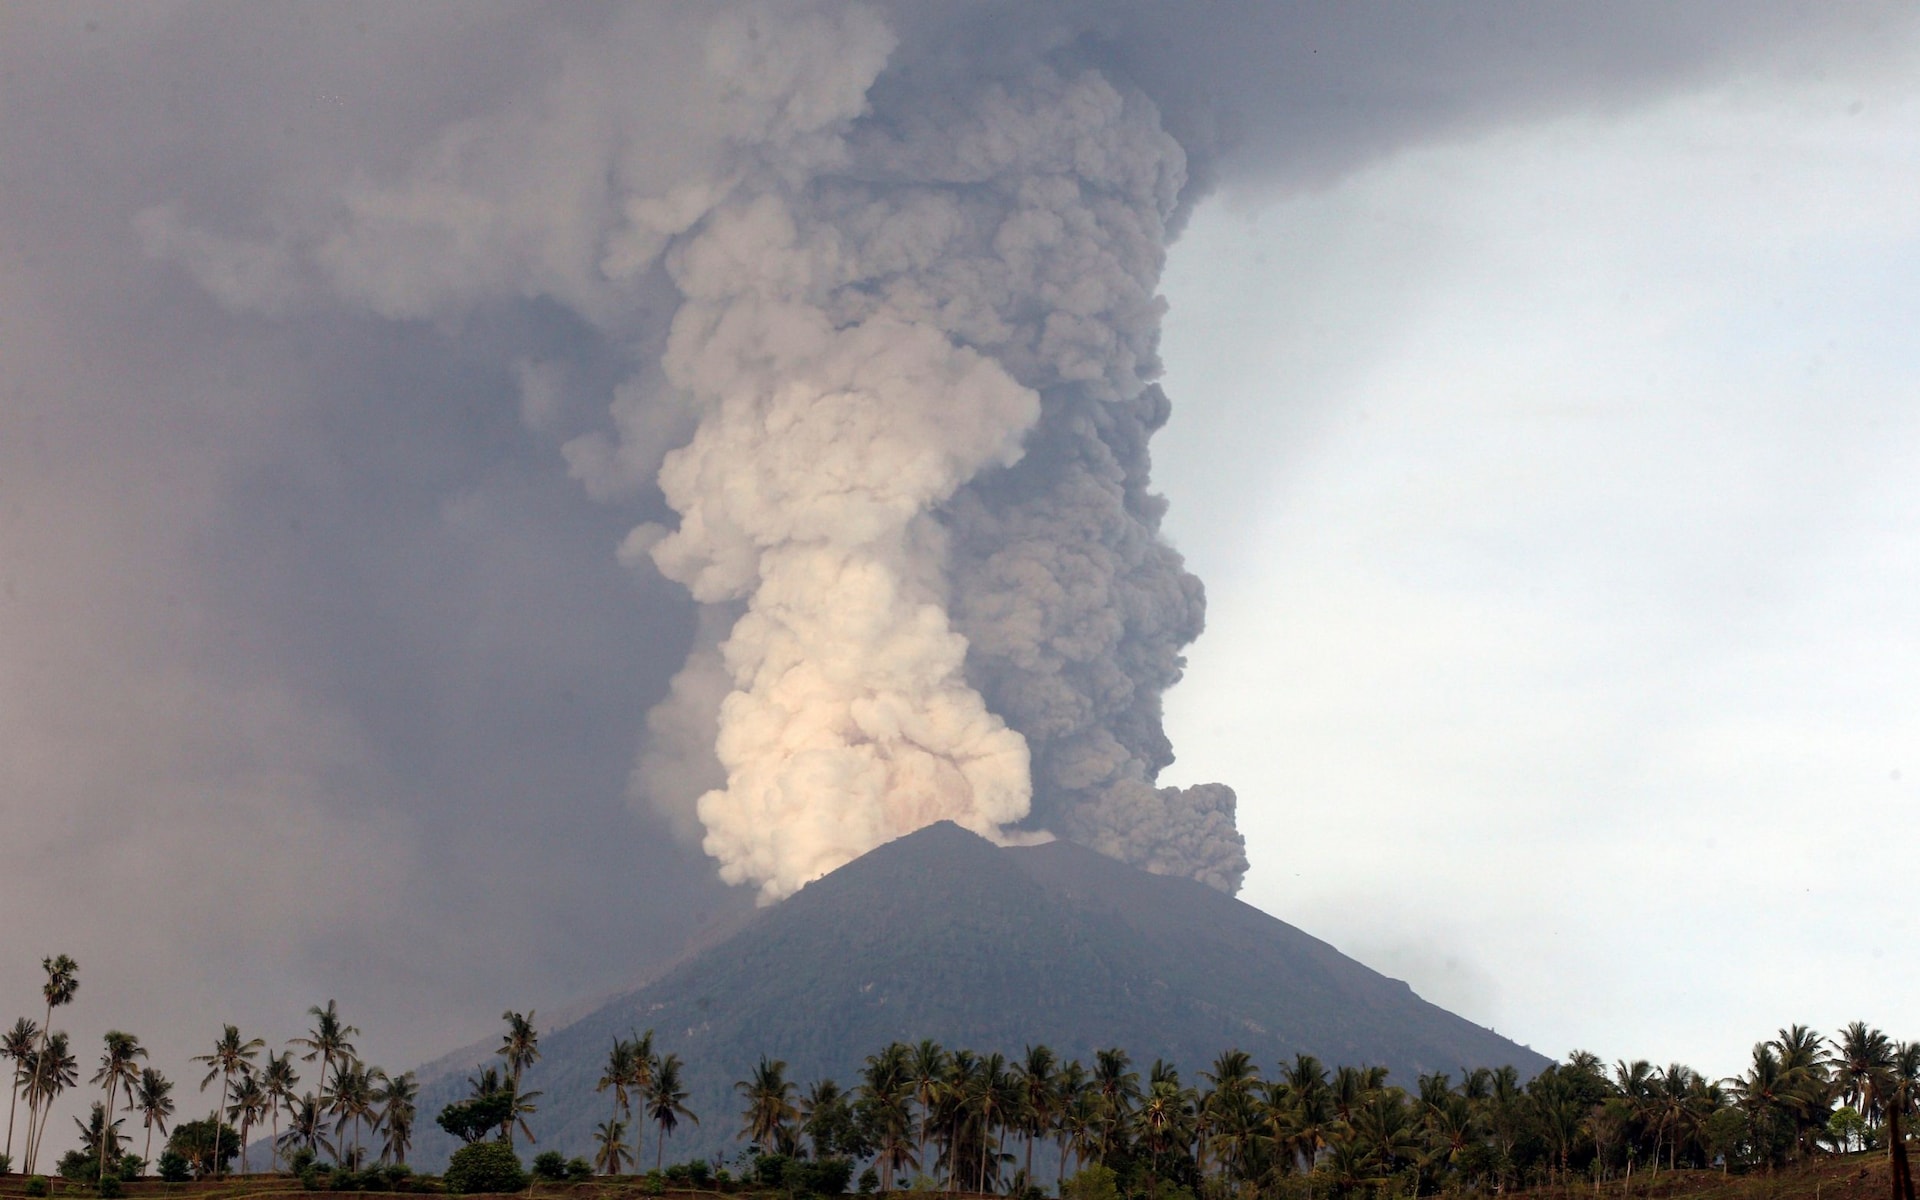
[943, 935]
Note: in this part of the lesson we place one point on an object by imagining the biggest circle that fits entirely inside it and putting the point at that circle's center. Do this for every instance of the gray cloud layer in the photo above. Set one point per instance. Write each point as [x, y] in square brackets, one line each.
[322, 676]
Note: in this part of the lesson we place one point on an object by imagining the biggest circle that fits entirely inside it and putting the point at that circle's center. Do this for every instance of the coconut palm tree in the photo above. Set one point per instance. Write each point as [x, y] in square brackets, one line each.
[925, 1066]
[667, 1103]
[306, 1120]
[1070, 1101]
[349, 1097]
[521, 1048]
[398, 1098]
[117, 1067]
[63, 981]
[327, 1040]
[770, 1108]
[153, 1100]
[1868, 1067]
[1118, 1088]
[53, 1070]
[824, 1115]
[230, 1053]
[618, 1075]
[886, 1102]
[639, 1084]
[99, 1133]
[610, 1148]
[17, 1045]
[249, 1103]
[279, 1079]
[1037, 1077]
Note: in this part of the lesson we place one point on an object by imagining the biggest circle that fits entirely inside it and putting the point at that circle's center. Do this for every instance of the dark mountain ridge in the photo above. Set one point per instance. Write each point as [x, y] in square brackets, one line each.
[944, 935]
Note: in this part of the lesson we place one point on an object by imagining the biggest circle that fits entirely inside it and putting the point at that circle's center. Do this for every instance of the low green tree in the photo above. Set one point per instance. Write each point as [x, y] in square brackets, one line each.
[484, 1167]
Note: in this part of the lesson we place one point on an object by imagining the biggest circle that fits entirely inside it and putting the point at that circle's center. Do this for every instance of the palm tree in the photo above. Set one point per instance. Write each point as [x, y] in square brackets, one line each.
[63, 980]
[349, 1097]
[1070, 1099]
[1037, 1076]
[153, 1100]
[117, 1067]
[54, 1070]
[249, 1104]
[639, 1084]
[823, 1115]
[1868, 1068]
[617, 1075]
[610, 1147]
[398, 1097]
[925, 1067]
[886, 1101]
[229, 1054]
[305, 1120]
[99, 1133]
[1118, 1088]
[17, 1044]
[326, 1040]
[667, 1103]
[770, 1108]
[521, 1048]
[279, 1079]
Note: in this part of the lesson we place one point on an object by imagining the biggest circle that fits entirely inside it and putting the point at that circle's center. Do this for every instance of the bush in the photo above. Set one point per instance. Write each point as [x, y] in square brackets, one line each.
[110, 1188]
[130, 1166]
[6, 1165]
[550, 1165]
[309, 1176]
[579, 1170]
[655, 1183]
[78, 1166]
[826, 1176]
[300, 1160]
[1092, 1183]
[869, 1182]
[37, 1185]
[396, 1176]
[485, 1167]
[174, 1167]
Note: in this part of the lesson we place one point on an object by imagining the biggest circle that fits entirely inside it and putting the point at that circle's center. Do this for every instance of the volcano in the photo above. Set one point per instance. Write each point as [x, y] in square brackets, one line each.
[943, 935]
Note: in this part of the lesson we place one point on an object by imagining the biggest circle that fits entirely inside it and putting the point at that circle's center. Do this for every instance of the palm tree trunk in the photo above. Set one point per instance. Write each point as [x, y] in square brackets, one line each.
[106, 1123]
[219, 1114]
[13, 1099]
[1897, 1149]
[147, 1155]
[660, 1146]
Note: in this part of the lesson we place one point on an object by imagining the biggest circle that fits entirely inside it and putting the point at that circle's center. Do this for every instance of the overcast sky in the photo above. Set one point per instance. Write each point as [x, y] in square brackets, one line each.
[1542, 432]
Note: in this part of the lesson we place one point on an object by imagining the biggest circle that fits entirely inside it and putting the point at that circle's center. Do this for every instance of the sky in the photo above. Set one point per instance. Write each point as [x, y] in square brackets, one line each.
[1537, 430]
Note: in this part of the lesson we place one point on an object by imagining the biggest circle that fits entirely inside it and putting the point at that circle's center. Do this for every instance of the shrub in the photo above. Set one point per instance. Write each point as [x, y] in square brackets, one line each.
[6, 1165]
[130, 1166]
[1092, 1183]
[309, 1176]
[396, 1176]
[37, 1185]
[654, 1184]
[485, 1167]
[78, 1166]
[549, 1165]
[826, 1176]
[110, 1188]
[174, 1167]
[579, 1170]
[677, 1173]
[869, 1182]
[300, 1160]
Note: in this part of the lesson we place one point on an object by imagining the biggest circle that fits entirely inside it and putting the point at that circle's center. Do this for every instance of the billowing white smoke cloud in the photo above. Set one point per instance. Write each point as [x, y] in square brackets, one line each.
[902, 414]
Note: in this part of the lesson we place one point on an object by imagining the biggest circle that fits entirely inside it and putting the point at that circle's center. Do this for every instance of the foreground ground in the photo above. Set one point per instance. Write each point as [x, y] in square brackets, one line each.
[1848, 1177]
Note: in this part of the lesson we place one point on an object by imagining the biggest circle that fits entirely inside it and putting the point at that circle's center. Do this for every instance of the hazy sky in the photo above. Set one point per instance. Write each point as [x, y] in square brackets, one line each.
[1539, 432]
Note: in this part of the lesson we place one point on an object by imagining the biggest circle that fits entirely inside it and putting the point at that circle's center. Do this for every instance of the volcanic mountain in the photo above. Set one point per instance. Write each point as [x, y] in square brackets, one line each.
[944, 935]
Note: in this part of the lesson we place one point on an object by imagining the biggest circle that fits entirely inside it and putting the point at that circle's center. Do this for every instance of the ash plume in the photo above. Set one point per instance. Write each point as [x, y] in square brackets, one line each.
[896, 329]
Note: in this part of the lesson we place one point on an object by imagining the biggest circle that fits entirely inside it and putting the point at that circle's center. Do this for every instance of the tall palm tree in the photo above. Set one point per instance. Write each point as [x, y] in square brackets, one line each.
[521, 1048]
[1118, 1087]
[63, 981]
[925, 1066]
[639, 1084]
[349, 1097]
[230, 1053]
[100, 1133]
[886, 1100]
[398, 1097]
[823, 1114]
[17, 1044]
[770, 1107]
[248, 1104]
[54, 1070]
[667, 1103]
[618, 1075]
[1868, 1067]
[118, 1067]
[279, 1079]
[1037, 1076]
[153, 1100]
[610, 1147]
[327, 1040]
[305, 1121]
[1070, 1108]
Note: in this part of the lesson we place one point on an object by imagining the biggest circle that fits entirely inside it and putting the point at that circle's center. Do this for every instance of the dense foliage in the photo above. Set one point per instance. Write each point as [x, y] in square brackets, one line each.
[485, 1167]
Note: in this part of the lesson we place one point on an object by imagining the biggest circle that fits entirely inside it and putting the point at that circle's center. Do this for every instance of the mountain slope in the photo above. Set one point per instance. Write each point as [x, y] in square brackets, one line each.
[943, 935]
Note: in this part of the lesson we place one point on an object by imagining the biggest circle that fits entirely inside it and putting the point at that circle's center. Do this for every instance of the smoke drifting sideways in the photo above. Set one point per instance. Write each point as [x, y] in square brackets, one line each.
[901, 407]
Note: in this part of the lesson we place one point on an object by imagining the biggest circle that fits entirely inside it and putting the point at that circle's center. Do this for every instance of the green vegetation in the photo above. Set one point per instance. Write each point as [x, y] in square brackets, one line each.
[929, 1118]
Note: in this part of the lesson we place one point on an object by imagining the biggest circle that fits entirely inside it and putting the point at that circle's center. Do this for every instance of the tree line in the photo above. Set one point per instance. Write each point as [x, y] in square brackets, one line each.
[960, 1121]
[931, 1118]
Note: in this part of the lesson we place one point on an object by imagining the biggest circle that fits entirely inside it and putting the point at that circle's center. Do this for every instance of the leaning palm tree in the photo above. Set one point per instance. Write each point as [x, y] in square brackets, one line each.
[770, 1107]
[521, 1048]
[54, 1070]
[17, 1044]
[153, 1100]
[278, 1079]
[667, 1103]
[63, 980]
[229, 1054]
[117, 1067]
[610, 1147]
[397, 1096]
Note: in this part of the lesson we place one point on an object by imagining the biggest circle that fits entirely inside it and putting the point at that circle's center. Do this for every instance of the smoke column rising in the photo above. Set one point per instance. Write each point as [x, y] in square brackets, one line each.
[901, 409]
